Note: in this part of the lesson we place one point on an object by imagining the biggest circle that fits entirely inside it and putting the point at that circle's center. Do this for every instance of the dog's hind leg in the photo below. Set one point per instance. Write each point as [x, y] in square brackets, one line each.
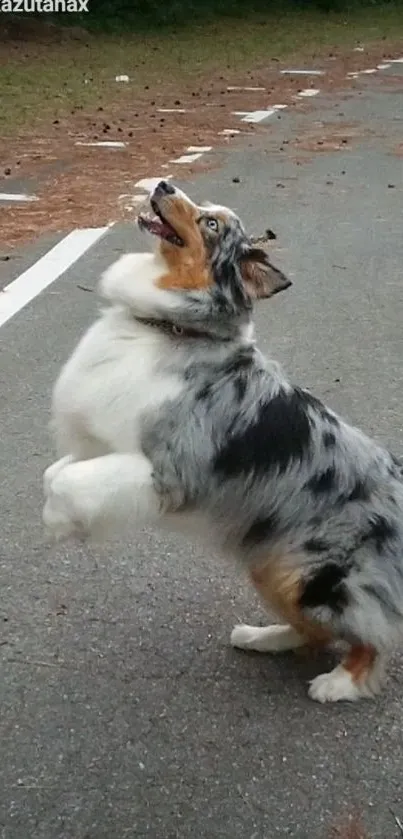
[358, 676]
[282, 586]
[99, 496]
[279, 588]
[276, 638]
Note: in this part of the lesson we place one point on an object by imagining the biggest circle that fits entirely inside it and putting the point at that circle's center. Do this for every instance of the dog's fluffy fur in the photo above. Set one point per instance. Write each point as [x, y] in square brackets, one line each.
[167, 409]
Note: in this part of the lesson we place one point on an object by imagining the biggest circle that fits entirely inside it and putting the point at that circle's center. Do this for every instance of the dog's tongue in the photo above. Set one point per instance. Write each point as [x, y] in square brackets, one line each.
[156, 226]
[160, 228]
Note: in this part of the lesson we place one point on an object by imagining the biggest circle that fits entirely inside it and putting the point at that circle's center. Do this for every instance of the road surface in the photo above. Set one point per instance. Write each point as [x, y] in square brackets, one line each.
[124, 710]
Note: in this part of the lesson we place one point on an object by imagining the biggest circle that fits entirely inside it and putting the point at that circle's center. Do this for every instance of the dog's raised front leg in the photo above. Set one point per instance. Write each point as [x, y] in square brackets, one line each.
[100, 496]
[53, 470]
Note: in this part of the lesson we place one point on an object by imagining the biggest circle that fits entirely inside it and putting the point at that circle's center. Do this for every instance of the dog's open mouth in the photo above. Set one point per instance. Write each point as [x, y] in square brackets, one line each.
[156, 224]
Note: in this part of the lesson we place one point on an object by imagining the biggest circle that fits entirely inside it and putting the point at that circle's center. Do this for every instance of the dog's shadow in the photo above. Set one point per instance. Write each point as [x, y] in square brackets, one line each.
[300, 665]
[297, 665]
[246, 673]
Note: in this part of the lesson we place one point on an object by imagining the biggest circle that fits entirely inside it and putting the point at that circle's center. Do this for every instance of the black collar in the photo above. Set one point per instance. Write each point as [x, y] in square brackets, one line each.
[173, 329]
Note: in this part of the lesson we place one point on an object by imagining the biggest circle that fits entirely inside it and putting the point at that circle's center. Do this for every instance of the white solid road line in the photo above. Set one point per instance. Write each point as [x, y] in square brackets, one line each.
[39, 276]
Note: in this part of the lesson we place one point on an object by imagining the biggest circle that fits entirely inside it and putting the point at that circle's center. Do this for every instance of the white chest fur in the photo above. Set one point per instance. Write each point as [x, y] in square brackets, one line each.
[113, 379]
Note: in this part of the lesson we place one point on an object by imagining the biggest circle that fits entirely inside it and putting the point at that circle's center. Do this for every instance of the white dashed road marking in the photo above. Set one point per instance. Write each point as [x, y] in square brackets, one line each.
[251, 89]
[148, 184]
[258, 116]
[310, 91]
[107, 144]
[302, 72]
[187, 158]
[17, 196]
[201, 149]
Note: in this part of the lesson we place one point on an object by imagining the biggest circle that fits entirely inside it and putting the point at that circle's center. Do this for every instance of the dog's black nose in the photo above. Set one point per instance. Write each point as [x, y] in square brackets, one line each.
[164, 188]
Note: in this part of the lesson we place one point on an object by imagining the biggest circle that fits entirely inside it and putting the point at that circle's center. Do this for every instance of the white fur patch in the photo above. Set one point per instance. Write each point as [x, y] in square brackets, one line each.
[110, 383]
[266, 639]
[131, 281]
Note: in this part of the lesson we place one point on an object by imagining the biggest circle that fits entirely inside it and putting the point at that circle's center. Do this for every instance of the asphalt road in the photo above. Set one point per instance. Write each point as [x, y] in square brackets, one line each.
[124, 711]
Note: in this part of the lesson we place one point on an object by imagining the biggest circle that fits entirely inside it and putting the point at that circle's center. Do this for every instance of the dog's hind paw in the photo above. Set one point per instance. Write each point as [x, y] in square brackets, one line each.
[266, 639]
[339, 685]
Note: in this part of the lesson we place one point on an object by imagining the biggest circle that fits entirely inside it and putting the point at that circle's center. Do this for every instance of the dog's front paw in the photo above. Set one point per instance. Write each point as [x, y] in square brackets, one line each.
[52, 471]
[58, 524]
[59, 516]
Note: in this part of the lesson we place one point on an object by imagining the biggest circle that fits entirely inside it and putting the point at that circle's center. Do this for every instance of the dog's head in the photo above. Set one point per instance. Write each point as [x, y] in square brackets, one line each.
[206, 247]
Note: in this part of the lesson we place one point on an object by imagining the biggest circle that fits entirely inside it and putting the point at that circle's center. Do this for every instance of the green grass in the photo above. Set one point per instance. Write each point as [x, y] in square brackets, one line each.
[38, 83]
[124, 15]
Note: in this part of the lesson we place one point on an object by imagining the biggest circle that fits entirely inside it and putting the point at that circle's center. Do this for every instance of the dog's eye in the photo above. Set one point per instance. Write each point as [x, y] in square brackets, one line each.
[212, 224]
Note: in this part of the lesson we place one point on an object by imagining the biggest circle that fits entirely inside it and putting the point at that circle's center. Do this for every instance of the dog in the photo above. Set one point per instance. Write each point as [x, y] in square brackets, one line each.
[168, 412]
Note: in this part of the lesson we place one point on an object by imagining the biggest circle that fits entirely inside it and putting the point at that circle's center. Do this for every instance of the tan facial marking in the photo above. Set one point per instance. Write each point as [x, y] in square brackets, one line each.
[188, 265]
[188, 268]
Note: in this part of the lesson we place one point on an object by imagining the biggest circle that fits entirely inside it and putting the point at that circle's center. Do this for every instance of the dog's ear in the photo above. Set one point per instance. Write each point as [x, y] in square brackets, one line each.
[261, 278]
